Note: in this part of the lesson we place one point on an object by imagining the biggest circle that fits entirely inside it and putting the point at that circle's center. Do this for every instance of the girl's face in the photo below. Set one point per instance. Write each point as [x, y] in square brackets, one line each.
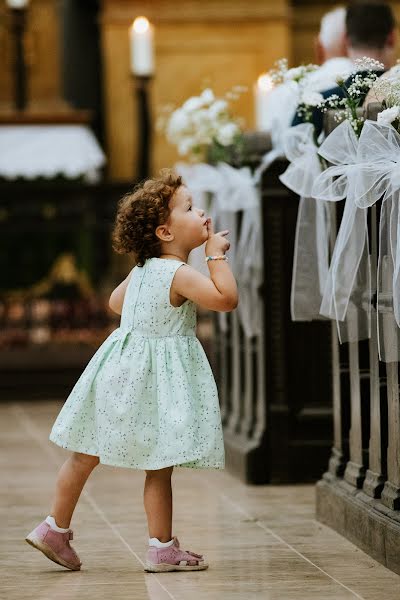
[187, 224]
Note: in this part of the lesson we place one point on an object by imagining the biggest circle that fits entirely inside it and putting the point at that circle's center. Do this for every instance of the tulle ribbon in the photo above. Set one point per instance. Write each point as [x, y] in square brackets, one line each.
[378, 177]
[364, 172]
[347, 293]
[239, 193]
[233, 190]
[311, 248]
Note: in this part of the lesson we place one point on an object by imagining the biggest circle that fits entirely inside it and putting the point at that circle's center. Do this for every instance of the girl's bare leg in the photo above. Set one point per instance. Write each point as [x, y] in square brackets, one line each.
[70, 481]
[158, 503]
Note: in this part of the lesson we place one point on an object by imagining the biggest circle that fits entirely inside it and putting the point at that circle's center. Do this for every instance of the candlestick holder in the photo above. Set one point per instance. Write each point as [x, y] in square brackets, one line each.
[144, 138]
[18, 27]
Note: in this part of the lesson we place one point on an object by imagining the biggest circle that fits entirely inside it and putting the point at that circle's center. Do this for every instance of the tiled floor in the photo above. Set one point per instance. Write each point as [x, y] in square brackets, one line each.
[261, 542]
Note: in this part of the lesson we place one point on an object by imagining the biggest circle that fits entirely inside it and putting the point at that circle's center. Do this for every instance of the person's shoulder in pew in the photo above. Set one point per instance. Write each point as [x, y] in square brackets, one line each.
[317, 116]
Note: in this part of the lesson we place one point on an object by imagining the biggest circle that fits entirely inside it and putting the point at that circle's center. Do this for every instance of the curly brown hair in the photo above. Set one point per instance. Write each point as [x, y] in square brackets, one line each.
[140, 213]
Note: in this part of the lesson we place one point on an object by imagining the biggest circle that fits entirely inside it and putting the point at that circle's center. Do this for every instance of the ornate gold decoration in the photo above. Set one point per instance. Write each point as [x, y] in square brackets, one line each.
[64, 271]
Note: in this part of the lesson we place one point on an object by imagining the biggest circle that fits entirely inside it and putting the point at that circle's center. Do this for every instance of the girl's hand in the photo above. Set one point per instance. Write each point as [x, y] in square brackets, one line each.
[217, 242]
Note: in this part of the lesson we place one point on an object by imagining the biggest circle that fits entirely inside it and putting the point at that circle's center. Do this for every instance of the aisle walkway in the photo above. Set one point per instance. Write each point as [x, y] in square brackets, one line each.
[262, 542]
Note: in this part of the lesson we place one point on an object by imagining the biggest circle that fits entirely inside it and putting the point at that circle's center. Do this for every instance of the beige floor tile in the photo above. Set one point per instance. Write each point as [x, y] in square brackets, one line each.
[261, 542]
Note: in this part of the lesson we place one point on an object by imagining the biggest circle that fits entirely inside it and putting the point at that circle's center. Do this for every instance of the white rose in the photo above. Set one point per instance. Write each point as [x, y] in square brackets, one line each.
[311, 98]
[226, 133]
[218, 107]
[177, 125]
[204, 135]
[192, 104]
[185, 145]
[200, 117]
[294, 73]
[207, 96]
[386, 117]
[202, 126]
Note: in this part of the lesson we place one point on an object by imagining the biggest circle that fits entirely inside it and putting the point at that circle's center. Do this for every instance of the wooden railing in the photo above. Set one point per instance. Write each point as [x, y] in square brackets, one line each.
[359, 494]
[276, 387]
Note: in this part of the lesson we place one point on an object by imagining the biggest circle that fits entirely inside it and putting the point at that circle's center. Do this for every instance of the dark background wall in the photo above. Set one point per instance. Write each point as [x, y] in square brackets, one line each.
[81, 58]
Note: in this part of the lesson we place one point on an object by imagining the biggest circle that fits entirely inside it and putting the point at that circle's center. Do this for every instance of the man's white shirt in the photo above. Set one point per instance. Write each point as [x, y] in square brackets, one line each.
[284, 99]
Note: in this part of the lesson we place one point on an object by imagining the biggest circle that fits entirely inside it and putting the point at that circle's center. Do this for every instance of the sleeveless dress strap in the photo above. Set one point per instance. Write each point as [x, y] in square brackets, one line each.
[166, 276]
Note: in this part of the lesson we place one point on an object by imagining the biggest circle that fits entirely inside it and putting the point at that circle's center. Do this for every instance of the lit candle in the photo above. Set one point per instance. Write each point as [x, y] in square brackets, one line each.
[262, 90]
[18, 4]
[142, 51]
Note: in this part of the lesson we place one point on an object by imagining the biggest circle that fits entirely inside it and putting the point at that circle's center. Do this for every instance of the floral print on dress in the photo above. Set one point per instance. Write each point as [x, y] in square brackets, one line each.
[147, 399]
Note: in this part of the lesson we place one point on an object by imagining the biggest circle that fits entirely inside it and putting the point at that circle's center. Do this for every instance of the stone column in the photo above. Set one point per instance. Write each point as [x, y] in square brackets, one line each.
[374, 479]
[336, 462]
[391, 491]
[355, 471]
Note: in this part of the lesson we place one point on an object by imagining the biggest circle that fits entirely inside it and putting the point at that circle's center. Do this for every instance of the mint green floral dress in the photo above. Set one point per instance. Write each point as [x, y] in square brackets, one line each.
[147, 399]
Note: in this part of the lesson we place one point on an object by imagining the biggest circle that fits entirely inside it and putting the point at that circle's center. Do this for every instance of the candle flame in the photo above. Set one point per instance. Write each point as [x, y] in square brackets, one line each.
[265, 82]
[141, 24]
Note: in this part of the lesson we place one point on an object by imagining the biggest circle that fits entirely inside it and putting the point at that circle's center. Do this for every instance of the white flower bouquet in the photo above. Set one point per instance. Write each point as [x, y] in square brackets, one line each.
[201, 123]
[355, 91]
[281, 73]
[302, 85]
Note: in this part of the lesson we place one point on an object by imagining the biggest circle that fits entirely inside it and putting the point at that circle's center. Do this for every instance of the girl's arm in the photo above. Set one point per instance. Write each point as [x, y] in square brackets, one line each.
[218, 293]
[117, 297]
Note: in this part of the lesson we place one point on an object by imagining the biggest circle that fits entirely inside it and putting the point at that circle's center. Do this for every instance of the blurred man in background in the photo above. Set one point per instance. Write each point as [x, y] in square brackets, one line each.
[331, 52]
[370, 32]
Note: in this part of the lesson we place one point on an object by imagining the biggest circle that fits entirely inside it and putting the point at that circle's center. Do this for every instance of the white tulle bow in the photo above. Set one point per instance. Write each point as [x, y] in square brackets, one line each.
[347, 293]
[311, 247]
[378, 173]
[302, 152]
[378, 178]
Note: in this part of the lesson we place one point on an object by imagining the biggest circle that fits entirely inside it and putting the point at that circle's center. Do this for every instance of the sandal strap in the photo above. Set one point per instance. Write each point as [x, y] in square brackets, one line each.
[194, 554]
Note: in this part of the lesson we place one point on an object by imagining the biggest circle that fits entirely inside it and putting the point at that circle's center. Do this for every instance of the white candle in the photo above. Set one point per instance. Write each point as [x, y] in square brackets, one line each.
[262, 90]
[17, 3]
[142, 51]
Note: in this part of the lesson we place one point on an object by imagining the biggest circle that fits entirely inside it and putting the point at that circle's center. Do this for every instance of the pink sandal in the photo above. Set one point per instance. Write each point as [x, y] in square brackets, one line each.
[172, 558]
[55, 545]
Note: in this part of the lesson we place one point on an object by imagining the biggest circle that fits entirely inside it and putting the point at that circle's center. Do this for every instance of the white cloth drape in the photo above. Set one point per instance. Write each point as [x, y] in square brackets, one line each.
[311, 247]
[32, 151]
[233, 191]
[347, 292]
[203, 180]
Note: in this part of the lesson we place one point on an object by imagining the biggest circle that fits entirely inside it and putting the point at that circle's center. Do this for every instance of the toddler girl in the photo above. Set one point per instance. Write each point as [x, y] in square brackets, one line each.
[147, 399]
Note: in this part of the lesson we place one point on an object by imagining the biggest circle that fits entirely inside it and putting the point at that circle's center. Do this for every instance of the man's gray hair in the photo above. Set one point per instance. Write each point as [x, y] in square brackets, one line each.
[333, 27]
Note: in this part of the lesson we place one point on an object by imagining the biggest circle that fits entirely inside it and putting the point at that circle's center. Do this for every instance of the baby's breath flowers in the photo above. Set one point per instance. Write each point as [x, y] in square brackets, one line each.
[308, 101]
[368, 64]
[355, 90]
[297, 77]
[387, 89]
[280, 73]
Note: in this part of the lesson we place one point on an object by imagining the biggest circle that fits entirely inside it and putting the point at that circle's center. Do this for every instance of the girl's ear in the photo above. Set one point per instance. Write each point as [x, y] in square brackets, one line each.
[163, 233]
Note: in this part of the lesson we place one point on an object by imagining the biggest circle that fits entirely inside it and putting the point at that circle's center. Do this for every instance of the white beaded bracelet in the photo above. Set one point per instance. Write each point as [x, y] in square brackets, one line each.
[222, 257]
